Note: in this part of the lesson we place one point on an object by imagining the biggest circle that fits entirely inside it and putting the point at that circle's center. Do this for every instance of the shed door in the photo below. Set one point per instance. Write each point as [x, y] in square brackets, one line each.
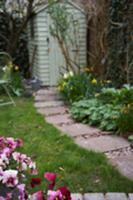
[57, 63]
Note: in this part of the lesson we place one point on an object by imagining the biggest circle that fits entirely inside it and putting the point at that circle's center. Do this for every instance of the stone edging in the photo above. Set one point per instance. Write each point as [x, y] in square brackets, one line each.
[101, 196]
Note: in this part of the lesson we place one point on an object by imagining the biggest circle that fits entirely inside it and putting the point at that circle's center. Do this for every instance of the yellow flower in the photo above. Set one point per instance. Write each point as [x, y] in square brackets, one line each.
[89, 69]
[94, 81]
[92, 69]
[124, 110]
[97, 94]
[16, 67]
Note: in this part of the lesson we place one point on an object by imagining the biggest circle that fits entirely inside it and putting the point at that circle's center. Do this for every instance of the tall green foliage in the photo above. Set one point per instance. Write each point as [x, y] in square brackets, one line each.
[120, 42]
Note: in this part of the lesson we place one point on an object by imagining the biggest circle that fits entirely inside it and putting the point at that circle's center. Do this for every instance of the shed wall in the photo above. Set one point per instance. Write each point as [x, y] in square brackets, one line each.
[41, 68]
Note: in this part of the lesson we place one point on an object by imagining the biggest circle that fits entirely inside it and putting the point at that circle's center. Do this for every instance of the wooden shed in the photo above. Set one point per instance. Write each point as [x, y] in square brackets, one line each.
[45, 55]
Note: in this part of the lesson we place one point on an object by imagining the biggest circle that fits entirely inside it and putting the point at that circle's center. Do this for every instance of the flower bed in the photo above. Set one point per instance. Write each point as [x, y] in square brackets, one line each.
[14, 170]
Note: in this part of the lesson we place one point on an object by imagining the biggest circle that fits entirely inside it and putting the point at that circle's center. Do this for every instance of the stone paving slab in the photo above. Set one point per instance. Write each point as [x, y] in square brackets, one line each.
[43, 98]
[59, 119]
[77, 196]
[94, 196]
[48, 104]
[102, 143]
[124, 164]
[78, 129]
[53, 111]
[47, 91]
[116, 196]
[130, 196]
[101, 196]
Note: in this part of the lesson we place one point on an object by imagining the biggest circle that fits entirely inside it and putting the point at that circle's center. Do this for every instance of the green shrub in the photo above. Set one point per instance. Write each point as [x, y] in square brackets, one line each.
[117, 96]
[74, 87]
[95, 113]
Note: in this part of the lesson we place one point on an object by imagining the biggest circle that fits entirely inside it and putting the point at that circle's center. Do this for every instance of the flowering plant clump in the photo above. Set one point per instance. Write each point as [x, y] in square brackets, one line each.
[13, 169]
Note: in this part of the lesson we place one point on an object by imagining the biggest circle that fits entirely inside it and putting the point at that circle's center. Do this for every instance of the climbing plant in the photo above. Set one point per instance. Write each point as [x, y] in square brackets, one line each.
[120, 42]
[62, 28]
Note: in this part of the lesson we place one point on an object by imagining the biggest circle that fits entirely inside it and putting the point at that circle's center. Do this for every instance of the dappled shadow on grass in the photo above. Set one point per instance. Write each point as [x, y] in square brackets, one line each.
[79, 169]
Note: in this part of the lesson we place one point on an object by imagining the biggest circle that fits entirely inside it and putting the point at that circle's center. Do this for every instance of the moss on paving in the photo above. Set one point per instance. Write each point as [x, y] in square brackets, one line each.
[79, 169]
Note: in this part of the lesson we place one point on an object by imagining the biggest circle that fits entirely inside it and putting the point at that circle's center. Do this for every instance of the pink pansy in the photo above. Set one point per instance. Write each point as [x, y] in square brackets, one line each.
[11, 143]
[3, 160]
[19, 142]
[8, 196]
[1, 174]
[2, 142]
[22, 193]
[2, 198]
[50, 177]
[33, 169]
[23, 166]
[53, 195]
[37, 196]
[10, 178]
[7, 151]
[16, 156]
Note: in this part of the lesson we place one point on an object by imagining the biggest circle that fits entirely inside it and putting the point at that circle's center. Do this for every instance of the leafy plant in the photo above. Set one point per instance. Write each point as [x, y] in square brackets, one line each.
[117, 96]
[96, 113]
[16, 81]
[125, 120]
[74, 87]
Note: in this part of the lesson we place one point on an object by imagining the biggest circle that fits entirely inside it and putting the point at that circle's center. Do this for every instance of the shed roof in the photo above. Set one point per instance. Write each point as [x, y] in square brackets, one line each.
[44, 6]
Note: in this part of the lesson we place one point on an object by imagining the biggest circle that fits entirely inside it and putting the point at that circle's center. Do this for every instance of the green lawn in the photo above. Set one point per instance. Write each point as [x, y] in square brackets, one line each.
[79, 169]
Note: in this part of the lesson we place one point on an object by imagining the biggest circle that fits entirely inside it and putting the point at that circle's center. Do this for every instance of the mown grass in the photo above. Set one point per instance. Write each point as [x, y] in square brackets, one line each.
[79, 169]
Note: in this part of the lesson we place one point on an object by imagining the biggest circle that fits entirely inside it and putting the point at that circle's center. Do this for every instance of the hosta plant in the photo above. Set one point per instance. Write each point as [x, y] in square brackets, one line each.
[15, 166]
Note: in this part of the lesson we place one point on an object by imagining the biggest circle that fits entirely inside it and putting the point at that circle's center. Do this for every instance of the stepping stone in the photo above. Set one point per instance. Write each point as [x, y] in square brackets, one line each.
[130, 196]
[94, 196]
[77, 196]
[59, 119]
[46, 91]
[44, 98]
[78, 129]
[53, 111]
[124, 164]
[116, 196]
[48, 104]
[103, 143]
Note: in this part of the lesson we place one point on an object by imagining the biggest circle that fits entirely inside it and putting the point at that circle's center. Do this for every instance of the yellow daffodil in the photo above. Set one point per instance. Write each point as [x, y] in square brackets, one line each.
[94, 81]
[16, 68]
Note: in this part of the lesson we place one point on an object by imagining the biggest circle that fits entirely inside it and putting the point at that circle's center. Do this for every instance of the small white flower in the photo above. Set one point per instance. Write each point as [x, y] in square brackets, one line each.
[4, 69]
[65, 76]
[71, 73]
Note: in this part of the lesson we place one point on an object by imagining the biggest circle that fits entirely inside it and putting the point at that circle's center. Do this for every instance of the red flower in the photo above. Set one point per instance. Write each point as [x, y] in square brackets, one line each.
[65, 193]
[52, 178]
[35, 181]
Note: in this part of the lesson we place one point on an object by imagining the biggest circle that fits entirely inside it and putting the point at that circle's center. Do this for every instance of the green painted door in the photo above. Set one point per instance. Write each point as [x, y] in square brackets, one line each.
[57, 62]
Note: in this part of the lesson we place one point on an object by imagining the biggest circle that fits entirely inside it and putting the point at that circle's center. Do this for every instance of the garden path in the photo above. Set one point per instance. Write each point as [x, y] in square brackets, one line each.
[117, 149]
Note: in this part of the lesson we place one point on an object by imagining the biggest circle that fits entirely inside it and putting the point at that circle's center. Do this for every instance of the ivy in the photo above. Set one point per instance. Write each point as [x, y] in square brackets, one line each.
[120, 42]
